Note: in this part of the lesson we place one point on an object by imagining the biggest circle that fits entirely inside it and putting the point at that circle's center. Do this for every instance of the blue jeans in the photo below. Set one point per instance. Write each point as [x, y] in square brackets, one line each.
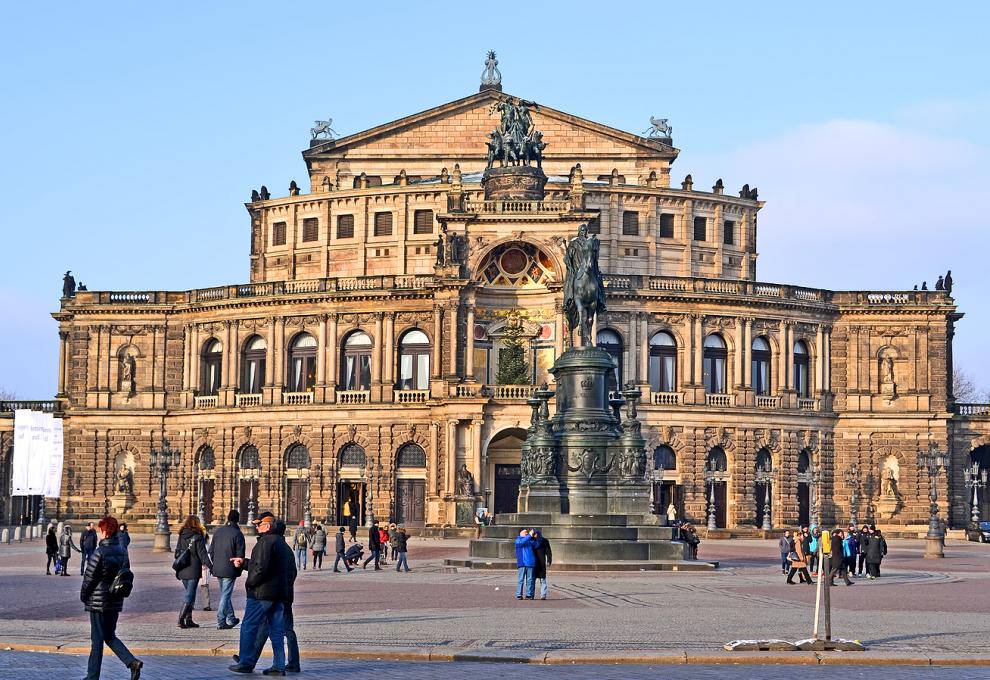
[190, 584]
[103, 629]
[292, 660]
[543, 587]
[526, 576]
[225, 610]
[258, 613]
[784, 564]
[373, 556]
[301, 557]
[402, 560]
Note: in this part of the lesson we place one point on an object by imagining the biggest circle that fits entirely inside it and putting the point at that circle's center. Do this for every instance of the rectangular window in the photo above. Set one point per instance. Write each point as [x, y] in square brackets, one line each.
[278, 234]
[729, 232]
[595, 224]
[666, 225]
[383, 224]
[700, 228]
[311, 229]
[345, 226]
[630, 223]
[423, 222]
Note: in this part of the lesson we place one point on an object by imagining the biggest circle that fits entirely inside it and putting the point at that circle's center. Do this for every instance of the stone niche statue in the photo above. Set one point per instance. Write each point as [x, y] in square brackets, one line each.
[465, 481]
[889, 502]
[584, 289]
[123, 482]
[128, 373]
[888, 384]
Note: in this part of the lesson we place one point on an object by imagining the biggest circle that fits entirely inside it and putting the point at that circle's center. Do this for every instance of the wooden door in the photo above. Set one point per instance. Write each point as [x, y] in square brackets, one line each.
[243, 496]
[804, 504]
[354, 493]
[506, 488]
[207, 488]
[295, 500]
[720, 505]
[410, 502]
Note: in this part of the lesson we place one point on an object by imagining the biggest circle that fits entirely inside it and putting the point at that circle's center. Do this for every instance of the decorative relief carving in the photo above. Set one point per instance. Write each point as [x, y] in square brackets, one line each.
[719, 323]
[719, 436]
[811, 440]
[768, 439]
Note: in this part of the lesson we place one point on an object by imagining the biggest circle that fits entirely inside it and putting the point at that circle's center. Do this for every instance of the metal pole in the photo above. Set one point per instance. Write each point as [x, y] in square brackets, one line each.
[827, 560]
[818, 592]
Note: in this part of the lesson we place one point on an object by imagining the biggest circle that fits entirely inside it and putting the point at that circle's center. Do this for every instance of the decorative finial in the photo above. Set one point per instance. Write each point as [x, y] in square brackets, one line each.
[491, 77]
[323, 129]
[659, 129]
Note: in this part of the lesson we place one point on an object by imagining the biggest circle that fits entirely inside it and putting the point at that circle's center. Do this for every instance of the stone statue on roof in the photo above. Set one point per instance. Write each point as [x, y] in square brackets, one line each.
[491, 77]
[659, 129]
[515, 141]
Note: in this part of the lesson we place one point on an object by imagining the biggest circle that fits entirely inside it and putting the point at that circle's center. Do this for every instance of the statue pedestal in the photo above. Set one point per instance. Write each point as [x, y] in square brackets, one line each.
[464, 511]
[120, 503]
[888, 506]
[514, 183]
[163, 542]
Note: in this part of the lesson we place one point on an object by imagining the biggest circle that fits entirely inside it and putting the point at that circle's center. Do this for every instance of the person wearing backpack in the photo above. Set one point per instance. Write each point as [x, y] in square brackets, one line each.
[106, 582]
[190, 558]
[301, 541]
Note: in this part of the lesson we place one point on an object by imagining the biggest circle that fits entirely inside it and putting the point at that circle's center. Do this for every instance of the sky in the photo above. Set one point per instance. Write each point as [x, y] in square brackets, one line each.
[131, 134]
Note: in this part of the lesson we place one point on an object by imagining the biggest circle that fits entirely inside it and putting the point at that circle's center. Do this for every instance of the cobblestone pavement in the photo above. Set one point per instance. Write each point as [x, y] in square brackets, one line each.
[34, 666]
[919, 607]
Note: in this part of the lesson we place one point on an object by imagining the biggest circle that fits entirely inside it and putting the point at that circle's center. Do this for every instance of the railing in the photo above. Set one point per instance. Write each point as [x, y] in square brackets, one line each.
[47, 406]
[888, 298]
[247, 400]
[211, 401]
[720, 400]
[764, 401]
[360, 283]
[720, 286]
[808, 404]
[666, 398]
[255, 289]
[809, 294]
[618, 282]
[413, 281]
[309, 286]
[766, 290]
[465, 391]
[973, 409]
[297, 398]
[353, 396]
[516, 207]
[512, 391]
[660, 283]
[130, 297]
[411, 396]
[210, 294]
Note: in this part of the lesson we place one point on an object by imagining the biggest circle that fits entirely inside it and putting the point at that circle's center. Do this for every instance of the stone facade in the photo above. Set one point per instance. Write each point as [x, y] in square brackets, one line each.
[355, 332]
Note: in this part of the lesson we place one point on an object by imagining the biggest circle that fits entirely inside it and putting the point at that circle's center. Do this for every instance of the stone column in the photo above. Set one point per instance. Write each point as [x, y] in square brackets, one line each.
[235, 354]
[451, 456]
[279, 354]
[632, 372]
[270, 354]
[376, 354]
[62, 336]
[431, 482]
[193, 359]
[332, 353]
[321, 352]
[698, 348]
[388, 357]
[789, 355]
[469, 350]
[742, 349]
[187, 358]
[748, 346]
[228, 358]
[780, 380]
[437, 369]
[477, 469]
[452, 314]
[819, 360]
[644, 349]
[827, 359]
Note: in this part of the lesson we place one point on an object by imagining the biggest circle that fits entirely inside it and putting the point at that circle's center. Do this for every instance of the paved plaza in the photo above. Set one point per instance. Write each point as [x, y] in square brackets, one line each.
[920, 610]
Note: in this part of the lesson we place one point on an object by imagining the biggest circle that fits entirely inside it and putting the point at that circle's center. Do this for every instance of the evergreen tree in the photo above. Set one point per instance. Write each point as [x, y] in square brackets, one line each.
[512, 366]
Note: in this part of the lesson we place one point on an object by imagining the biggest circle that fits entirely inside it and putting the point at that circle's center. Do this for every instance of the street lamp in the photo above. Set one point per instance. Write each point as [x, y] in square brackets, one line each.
[252, 504]
[975, 479]
[816, 481]
[161, 462]
[764, 477]
[712, 475]
[932, 461]
[201, 508]
[851, 475]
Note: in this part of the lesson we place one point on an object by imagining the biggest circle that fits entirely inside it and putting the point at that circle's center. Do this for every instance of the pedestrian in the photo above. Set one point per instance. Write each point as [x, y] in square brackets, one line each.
[339, 548]
[690, 536]
[65, 547]
[51, 550]
[883, 550]
[785, 545]
[863, 538]
[544, 558]
[525, 561]
[301, 541]
[400, 545]
[671, 514]
[352, 526]
[103, 600]
[383, 540]
[874, 554]
[346, 512]
[374, 545]
[124, 536]
[318, 545]
[227, 543]
[190, 558]
[813, 545]
[392, 529]
[798, 564]
[839, 563]
[850, 548]
[271, 571]
[87, 543]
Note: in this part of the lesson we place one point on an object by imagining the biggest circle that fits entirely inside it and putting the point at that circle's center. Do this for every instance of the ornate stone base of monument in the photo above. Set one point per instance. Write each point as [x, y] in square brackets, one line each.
[163, 542]
[120, 503]
[514, 183]
[887, 507]
[464, 512]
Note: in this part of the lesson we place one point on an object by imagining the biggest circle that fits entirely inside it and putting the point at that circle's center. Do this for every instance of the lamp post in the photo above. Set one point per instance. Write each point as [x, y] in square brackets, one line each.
[308, 507]
[201, 508]
[367, 493]
[764, 477]
[975, 479]
[252, 504]
[162, 461]
[932, 461]
[816, 480]
[712, 475]
[851, 476]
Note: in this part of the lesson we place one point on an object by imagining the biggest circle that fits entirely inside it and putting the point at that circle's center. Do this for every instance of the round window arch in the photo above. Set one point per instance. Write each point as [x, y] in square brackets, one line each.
[207, 459]
[411, 456]
[664, 456]
[414, 361]
[355, 361]
[297, 457]
[352, 455]
[663, 362]
[718, 457]
[516, 265]
[714, 364]
[764, 460]
[250, 458]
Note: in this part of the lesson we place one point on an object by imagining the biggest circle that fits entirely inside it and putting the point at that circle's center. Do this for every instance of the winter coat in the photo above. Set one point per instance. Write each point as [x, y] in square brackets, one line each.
[319, 543]
[399, 539]
[802, 558]
[88, 540]
[874, 549]
[284, 552]
[525, 557]
[374, 539]
[271, 569]
[339, 543]
[66, 545]
[785, 545]
[197, 554]
[125, 538]
[228, 542]
[850, 547]
[300, 539]
[101, 569]
[544, 557]
[51, 544]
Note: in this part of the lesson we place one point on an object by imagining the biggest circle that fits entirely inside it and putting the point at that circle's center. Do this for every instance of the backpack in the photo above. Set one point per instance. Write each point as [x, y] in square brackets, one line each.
[123, 583]
[301, 539]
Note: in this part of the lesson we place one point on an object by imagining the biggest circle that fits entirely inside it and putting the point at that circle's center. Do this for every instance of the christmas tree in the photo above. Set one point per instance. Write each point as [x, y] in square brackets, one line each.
[512, 366]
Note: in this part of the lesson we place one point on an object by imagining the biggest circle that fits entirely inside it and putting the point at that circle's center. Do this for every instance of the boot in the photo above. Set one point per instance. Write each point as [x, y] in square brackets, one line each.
[189, 622]
[182, 616]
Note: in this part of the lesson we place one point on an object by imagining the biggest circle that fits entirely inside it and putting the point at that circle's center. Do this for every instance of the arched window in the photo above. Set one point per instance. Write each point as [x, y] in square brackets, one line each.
[764, 460]
[355, 365]
[664, 457]
[804, 462]
[250, 460]
[761, 366]
[610, 341]
[801, 385]
[411, 456]
[713, 365]
[211, 363]
[352, 455]
[717, 456]
[297, 457]
[302, 363]
[253, 365]
[663, 362]
[207, 459]
[414, 361]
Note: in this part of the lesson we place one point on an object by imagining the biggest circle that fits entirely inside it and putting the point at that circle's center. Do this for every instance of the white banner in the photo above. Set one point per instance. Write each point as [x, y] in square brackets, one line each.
[38, 454]
[23, 419]
[53, 486]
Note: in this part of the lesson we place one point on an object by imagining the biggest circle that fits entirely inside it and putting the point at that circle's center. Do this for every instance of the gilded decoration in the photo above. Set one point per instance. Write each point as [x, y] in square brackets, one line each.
[517, 264]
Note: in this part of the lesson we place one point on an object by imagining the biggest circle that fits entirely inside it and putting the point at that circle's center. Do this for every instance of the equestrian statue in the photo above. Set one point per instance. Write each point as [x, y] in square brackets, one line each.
[584, 290]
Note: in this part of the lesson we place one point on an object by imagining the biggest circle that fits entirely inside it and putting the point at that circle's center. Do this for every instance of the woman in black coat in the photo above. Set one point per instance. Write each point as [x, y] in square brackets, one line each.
[544, 558]
[51, 548]
[873, 549]
[192, 537]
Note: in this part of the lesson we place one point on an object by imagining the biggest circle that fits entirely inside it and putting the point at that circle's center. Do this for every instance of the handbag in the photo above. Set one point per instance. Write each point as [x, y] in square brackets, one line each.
[58, 564]
[792, 556]
[183, 559]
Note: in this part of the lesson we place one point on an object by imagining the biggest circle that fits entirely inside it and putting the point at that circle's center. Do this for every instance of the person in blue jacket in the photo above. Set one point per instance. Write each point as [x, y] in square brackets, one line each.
[525, 561]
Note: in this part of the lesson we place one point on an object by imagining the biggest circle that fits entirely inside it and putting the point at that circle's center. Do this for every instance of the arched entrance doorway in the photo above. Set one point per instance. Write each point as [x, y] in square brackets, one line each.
[297, 461]
[981, 456]
[410, 486]
[206, 464]
[804, 488]
[248, 474]
[666, 489]
[351, 484]
[503, 455]
[716, 473]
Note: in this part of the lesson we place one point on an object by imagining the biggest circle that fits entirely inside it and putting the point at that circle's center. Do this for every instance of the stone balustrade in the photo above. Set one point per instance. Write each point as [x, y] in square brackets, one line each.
[808, 404]
[47, 406]
[353, 396]
[411, 396]
[720, 400]
[243, 400]
[297, 398]
[972, 409]
[208, 401]
[517, 207]
[767, 401]
[666, 398]
[512, 392]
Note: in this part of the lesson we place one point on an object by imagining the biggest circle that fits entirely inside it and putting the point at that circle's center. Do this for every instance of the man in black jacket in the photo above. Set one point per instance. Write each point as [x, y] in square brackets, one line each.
[228, 542]
[271, 571]
[374, 545]
[340, 546]
[87, 544]
[103, 606]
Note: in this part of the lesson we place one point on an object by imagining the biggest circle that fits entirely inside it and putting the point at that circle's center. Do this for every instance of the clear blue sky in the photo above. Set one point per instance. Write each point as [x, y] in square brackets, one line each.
[132, 133]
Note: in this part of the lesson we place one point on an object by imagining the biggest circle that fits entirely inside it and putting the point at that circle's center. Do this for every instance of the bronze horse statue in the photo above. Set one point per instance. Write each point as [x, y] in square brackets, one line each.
[584, 290]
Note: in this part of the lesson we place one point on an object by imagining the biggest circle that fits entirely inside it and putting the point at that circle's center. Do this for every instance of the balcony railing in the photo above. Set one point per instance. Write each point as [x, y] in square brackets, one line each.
[209, 401]
[516, 207]
[411, 396]
[465, 391]
[297, 398]
[247, 400]
[720, 400]
[666, 398]
[808, 404]
[766, 401]
[973, 409]
[48, 406]
[353, 396]
[511, 391]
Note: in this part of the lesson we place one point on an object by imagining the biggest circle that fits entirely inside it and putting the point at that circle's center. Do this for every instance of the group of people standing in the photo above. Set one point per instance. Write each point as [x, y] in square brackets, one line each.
[59, 546]
[533, 556]
[380, 539]
[849, 551]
